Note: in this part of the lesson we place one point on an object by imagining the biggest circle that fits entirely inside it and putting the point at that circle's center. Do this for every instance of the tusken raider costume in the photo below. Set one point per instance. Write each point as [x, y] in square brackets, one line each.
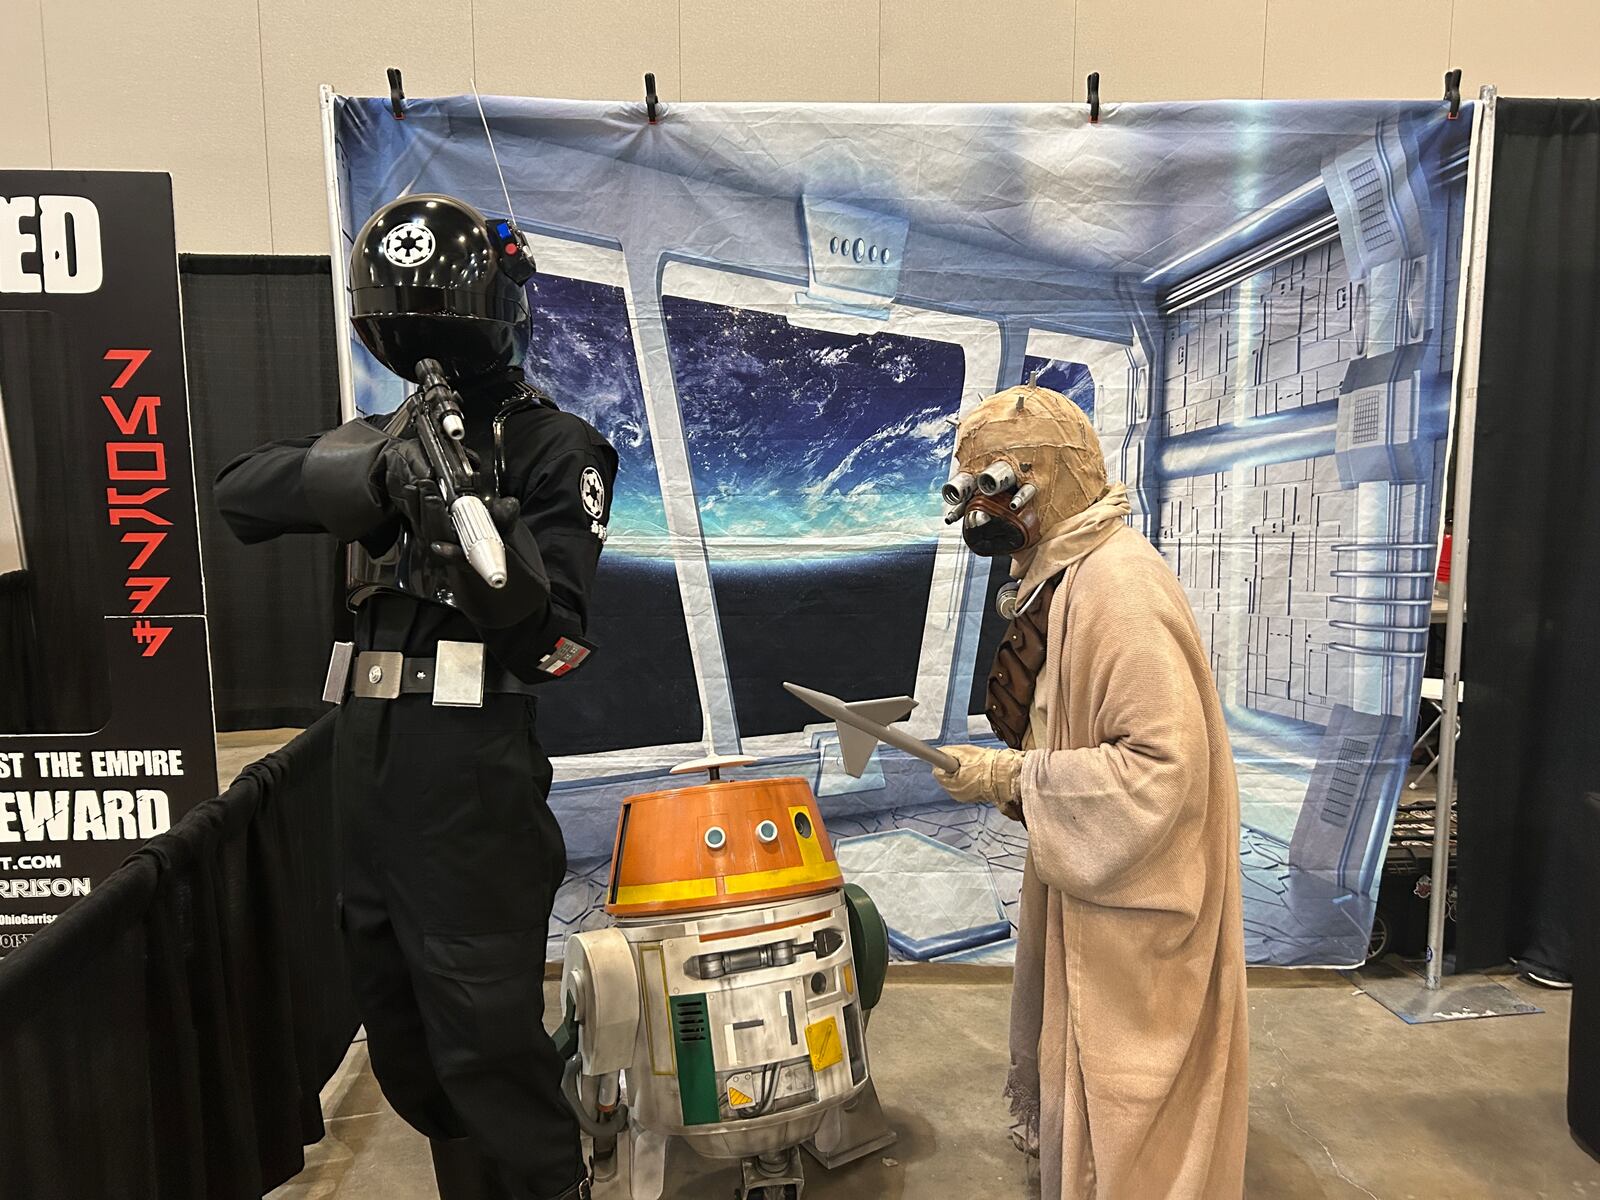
[450, 855]
[1129, 1015]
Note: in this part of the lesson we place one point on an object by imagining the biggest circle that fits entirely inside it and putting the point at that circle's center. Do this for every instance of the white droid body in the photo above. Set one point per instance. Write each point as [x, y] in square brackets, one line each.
[728, 996]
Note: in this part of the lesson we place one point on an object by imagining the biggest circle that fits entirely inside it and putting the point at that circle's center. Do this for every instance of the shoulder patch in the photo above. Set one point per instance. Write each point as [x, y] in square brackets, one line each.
[592, 490]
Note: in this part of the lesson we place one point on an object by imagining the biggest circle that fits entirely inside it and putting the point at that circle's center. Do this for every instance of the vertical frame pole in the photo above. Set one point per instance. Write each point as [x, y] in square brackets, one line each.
[13, 550]
[341, 293]
[1474, 261]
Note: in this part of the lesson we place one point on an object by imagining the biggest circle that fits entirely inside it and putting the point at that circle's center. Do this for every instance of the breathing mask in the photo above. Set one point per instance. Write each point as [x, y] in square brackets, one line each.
[1026, 459]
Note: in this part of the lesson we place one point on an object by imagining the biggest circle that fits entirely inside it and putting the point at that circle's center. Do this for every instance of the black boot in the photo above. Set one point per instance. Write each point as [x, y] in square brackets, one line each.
[462, 1172]
[578, 1191]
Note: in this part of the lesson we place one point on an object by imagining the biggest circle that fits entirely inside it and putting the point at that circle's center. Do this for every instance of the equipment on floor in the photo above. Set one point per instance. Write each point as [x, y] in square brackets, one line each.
[1433, 695]
[728, 1005]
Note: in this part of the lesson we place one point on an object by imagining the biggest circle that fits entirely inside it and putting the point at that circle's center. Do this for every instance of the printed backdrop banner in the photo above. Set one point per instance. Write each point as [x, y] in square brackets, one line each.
[108, 737]
[776, 312]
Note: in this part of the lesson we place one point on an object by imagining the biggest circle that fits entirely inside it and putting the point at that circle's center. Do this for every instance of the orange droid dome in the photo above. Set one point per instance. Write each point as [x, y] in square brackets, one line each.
[722, 844]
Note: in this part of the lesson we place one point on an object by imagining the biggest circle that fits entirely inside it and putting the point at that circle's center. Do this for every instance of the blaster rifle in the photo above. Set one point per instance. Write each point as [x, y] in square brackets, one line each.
[436, 411]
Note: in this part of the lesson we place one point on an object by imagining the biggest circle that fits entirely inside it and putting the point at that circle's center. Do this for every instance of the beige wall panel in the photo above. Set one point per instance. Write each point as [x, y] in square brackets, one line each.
[24, 118]
[1357, 49]
[1532, 48]
[310, 42]
[779, 50]
[978, 50]
[582, 49]
[172, 86]
[1171, 50]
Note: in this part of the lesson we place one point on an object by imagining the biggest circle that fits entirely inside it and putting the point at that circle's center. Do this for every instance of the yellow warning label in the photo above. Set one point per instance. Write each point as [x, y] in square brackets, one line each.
[822, 1039]
[737, 1098]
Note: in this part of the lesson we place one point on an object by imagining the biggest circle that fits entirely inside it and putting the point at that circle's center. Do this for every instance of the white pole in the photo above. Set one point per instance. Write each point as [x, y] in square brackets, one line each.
[1474, 259]
[341, 293]
[13, 551]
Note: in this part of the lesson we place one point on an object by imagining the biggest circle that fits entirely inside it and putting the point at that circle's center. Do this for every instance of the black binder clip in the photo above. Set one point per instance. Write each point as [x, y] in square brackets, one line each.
[1094, 97]
[1452, 92]
[397, 96]
[651, 100]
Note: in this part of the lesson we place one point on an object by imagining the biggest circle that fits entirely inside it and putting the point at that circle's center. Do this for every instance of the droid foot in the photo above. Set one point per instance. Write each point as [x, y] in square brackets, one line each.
[775, 1176]
[851, 1131]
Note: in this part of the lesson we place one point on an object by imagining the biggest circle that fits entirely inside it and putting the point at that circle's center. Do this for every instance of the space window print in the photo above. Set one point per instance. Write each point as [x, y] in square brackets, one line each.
[581, 354]
[816, 459]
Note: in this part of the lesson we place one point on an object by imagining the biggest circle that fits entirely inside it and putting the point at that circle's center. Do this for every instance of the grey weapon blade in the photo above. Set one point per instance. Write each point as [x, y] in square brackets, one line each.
[862, 724]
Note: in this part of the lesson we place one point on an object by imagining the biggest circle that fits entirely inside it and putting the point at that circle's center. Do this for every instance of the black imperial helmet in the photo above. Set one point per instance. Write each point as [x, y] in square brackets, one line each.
[431, 278]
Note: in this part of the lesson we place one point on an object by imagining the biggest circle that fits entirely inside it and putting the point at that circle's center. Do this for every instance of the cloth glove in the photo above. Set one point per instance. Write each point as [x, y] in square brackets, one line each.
[983, 776]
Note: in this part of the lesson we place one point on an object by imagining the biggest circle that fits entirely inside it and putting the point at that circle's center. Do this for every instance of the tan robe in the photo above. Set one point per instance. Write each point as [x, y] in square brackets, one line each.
[1129, 1016]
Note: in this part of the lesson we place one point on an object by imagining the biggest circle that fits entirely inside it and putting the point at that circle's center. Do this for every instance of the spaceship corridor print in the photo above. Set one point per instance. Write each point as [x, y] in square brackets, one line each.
[776, 311]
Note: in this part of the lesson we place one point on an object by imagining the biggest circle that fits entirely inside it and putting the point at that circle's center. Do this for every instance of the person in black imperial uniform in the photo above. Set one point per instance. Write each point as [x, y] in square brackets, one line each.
[450, 855]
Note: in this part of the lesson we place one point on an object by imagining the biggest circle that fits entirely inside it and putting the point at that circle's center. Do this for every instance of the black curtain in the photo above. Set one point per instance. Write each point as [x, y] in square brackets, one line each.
[258, 333]
[1529, 748]
[17, 645]
[50, 420]
[167, 1037]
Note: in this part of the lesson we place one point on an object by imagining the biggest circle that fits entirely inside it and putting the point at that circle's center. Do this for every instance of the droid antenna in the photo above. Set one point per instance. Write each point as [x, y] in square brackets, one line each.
[489, 137]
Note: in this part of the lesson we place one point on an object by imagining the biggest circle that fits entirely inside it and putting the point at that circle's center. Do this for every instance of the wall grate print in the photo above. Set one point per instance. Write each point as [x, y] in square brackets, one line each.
[1254, 303]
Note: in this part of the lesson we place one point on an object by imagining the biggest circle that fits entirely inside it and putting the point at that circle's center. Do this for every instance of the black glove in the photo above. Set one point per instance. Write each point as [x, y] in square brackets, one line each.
[526, 595]
[407, 477]
[357, 477]
[341, 474]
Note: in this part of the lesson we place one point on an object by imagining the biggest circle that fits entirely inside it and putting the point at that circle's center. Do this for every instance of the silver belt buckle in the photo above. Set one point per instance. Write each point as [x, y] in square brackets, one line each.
[378, 674]
[458, 675]
[338, 680]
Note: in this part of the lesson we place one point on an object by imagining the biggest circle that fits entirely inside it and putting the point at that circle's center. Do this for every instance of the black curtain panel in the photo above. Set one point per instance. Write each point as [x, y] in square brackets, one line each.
[1529, 748]
[17, 646]
[50, 419]
[259, 339]
[167, 1037]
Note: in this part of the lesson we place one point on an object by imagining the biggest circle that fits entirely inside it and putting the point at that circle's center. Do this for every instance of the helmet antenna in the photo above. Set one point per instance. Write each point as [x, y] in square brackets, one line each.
[515, 258]
[489, 137]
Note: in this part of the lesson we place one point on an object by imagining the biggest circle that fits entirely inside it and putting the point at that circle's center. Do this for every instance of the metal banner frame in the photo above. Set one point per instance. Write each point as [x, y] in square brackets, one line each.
[651, 353]
[339, 269]
[1475, 244]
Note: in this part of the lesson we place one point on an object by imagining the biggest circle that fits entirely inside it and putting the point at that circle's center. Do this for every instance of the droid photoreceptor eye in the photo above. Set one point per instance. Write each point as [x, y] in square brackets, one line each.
[767, 832]
[802, 824]
[716, 837]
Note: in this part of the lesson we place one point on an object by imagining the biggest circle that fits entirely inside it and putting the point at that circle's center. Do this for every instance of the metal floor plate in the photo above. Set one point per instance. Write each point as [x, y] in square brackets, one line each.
[1459, 998]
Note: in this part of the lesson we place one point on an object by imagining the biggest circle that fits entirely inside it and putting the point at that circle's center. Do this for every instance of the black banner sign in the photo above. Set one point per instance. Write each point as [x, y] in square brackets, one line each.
[91, 257]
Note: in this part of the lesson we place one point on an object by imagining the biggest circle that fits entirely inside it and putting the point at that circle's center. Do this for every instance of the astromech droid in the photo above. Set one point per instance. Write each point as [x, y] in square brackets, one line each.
[727, 1007]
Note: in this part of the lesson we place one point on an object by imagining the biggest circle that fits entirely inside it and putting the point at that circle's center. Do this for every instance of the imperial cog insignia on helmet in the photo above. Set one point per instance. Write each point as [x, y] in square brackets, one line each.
[408, 245]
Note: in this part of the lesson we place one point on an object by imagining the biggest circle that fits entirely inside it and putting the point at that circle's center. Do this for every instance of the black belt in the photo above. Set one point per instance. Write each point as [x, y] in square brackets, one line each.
[375, 671]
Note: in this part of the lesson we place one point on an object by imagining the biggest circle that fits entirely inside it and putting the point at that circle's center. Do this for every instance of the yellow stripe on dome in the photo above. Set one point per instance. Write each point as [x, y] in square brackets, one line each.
[760, 881]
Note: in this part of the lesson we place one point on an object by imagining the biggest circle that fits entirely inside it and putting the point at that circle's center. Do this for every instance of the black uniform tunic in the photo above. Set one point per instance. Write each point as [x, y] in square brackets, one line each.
[450, 855]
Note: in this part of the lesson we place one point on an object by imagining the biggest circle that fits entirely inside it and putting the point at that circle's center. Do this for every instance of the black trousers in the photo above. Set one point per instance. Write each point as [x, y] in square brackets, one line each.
[450, 863]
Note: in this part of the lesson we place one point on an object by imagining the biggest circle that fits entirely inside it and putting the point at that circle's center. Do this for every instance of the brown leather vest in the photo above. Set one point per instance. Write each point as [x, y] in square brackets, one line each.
[1016, 668]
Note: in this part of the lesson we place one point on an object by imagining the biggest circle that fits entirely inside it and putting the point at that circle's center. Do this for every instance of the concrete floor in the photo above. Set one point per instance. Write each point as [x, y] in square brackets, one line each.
[1346, 1101]
[236, 751]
